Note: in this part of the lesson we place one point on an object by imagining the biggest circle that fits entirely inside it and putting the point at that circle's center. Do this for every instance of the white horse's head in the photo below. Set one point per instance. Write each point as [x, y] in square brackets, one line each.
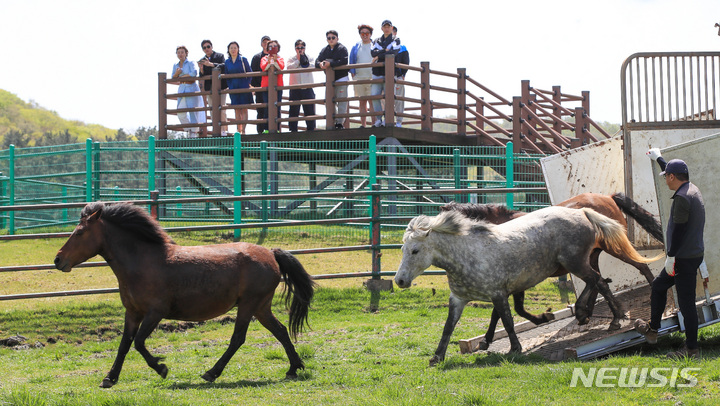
[417, 257]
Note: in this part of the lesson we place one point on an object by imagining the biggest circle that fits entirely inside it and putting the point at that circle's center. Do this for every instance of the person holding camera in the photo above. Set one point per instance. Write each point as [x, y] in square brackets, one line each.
[273, 59]
[298, 61]
[333, 55]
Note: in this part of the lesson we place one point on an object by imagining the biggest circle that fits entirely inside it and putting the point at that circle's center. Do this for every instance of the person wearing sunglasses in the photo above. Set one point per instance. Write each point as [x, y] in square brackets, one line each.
[333, 55]
[210, 61]
[382, 46]
[298, 61]
[256, 81]
[360, 54]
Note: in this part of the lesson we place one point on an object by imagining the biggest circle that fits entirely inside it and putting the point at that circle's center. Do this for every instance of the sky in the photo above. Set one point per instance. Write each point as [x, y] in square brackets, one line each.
[98, 61]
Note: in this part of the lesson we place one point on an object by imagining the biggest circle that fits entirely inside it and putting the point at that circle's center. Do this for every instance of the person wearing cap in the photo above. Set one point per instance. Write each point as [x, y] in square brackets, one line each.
[382, 46]
[299, 61]
[260, 97]
[685, 249]
[403, 57]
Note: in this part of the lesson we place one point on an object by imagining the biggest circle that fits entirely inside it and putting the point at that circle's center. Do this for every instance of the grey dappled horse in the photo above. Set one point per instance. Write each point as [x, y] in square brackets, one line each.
[489, 262]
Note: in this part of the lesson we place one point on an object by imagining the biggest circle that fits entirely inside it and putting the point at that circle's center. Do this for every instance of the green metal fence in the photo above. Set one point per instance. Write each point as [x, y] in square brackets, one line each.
[228, 166]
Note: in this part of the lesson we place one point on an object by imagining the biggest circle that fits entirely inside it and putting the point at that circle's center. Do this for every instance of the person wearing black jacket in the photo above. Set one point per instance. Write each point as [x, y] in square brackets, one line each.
[384, 45]
[211, 61]
[403, 57]
[685, 247]
[333, 55]
[260, 97]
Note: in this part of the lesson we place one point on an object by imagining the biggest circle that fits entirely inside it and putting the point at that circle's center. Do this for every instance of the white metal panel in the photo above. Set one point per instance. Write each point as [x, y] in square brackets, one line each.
[701, 155]
[643, 185]
[594, 168]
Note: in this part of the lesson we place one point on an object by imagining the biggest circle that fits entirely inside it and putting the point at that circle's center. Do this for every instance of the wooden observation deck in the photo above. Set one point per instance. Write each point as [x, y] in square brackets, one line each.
[440, 108]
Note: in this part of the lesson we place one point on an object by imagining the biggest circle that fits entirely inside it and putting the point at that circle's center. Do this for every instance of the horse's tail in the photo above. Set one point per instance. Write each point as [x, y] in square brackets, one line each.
[299, 287]
[612, 234]
[643, 217]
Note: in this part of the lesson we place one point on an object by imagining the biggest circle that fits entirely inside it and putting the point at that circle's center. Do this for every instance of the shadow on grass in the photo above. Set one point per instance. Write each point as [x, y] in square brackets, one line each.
[302, 376]
[487, 359]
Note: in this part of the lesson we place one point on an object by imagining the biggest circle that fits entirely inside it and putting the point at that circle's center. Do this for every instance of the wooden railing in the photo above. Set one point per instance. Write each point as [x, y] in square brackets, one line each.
[538, 120]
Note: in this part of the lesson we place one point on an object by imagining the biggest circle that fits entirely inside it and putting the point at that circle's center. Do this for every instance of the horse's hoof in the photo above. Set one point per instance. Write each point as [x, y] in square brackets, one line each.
[163, 371]
[209, 377]
[548, 316]
[107, 383]
[483, 345]
[515, 351]
[290, 375]
[435, 360]
[614, 325]
[583, 320]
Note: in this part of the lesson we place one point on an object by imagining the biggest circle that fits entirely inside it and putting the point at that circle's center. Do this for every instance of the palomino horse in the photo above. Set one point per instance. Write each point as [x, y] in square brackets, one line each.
[489, 262]
[161, 280]
[611, 206]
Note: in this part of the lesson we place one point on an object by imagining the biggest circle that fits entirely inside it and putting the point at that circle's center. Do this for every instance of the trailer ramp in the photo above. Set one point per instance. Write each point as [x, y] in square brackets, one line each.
[565, 339]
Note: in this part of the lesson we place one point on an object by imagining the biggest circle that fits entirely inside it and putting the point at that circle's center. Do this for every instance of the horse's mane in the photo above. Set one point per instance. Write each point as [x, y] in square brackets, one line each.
[479, 211]
[447, 222]
[131, 218]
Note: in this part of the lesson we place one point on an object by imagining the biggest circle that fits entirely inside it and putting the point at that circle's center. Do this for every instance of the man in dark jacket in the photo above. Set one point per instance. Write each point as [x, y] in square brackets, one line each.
[333, 55]
[403, 57]
[685, 249]
[384, 45]
[211, 61]
[260, 97]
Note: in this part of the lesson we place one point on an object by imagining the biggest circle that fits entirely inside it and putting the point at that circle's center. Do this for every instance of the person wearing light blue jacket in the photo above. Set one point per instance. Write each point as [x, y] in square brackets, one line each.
[187, 69]
[360, 54]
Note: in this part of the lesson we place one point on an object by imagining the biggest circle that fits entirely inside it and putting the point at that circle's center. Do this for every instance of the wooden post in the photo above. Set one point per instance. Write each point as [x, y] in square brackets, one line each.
[586, 102]
[557, 98]
[162, 105]
[480, 120]
[390, 90]
[329, 97]
[215, 95]
[581, 125]
[517, 125]
[461, 101]
[272, 96]
[426, 106]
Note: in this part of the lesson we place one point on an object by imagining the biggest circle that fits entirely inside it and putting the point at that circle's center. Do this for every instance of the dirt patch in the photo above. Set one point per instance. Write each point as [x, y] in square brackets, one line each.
[18, 342]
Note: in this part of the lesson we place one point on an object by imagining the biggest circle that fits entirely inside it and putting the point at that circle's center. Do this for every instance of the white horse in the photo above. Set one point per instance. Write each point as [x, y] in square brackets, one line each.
[489, 262]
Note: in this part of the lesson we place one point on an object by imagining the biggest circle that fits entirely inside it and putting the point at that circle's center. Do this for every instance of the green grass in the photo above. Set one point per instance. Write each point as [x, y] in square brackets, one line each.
[353, 356]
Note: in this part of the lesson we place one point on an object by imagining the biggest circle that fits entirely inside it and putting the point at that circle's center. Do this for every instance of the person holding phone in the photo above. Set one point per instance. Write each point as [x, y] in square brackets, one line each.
[273, 59]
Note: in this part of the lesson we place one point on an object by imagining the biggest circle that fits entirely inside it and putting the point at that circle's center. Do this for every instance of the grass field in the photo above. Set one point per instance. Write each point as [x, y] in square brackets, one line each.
[353, 356]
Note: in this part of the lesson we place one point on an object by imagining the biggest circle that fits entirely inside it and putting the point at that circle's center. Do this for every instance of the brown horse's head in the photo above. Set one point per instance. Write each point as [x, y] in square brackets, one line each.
[85, 241]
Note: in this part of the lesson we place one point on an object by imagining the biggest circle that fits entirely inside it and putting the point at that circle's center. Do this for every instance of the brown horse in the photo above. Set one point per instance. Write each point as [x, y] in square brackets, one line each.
[612, 206]
[161, 280]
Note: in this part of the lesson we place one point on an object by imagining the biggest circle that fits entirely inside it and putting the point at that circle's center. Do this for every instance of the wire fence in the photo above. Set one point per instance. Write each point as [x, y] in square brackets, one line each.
[186, 168]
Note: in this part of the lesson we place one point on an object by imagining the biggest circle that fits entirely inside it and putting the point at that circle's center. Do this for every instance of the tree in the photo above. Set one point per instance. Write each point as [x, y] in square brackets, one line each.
[17, 138]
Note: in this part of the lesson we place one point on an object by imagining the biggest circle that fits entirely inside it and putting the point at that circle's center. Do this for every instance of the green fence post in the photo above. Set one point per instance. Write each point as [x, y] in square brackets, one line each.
[509, 174]
[237, 183]
[64, 193]
[264, 181]
[372, 173]
[374, 285]
[3, 190]
[151, 165]
[179, 205]
[97, 168]
[457, 172]
[88, 170]
[11, 202]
